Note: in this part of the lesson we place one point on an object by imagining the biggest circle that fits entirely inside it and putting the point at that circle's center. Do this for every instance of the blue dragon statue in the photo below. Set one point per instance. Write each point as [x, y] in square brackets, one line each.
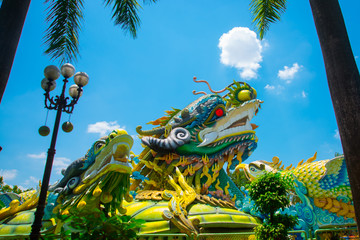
[99, 180]
[180, 181]
[320, 194]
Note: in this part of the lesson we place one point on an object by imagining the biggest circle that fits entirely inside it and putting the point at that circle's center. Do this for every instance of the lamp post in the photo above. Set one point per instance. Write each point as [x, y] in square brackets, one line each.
[60, 104]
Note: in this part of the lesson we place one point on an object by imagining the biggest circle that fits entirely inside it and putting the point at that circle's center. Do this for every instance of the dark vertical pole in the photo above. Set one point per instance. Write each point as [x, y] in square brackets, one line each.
[12, 18]
[344, 84]
[36, 227]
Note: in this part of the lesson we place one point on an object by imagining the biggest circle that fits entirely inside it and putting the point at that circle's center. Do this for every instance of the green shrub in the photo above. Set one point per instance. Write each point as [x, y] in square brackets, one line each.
[4, 188]
[100, 226]
[239, 179]
[269, 195]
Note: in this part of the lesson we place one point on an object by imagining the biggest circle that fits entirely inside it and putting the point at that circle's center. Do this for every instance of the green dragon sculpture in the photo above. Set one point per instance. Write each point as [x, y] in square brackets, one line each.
[320, 190]
[178, 178]
[196, 142]
[179, 182]
[99, 180]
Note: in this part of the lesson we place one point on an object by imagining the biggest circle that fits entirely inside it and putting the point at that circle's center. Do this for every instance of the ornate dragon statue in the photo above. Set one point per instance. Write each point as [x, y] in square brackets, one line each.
[99, 180]
[196, 142]
[178, 178]
[179, 182]
[320, 194]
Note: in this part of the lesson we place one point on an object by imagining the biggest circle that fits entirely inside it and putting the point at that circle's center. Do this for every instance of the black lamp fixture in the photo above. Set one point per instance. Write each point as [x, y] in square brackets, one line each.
[60, 104]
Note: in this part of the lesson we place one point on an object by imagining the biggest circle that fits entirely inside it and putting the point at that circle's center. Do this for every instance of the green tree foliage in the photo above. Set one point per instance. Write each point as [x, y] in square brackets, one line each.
[266, 12]
[4, 188]
[239, 179]
[269, 194]
[65, 20]
[100, 226]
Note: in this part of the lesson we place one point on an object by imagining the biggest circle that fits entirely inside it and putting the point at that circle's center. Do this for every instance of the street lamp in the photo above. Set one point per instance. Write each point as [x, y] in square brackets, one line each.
[59, 103]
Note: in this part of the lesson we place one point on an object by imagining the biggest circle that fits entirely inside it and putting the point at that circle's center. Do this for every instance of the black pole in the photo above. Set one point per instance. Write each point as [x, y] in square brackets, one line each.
[344, 85]
[36, 227]
[12, 18]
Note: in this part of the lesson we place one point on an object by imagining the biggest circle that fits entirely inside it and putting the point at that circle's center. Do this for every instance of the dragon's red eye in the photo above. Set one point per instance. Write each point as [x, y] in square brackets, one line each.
[219, 112]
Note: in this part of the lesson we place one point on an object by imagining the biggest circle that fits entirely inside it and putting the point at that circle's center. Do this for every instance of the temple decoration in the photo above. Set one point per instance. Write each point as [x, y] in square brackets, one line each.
[180, 182]
[319, 191]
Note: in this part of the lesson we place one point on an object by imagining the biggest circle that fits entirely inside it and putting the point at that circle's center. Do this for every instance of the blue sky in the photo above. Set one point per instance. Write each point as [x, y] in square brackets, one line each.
[134, 81]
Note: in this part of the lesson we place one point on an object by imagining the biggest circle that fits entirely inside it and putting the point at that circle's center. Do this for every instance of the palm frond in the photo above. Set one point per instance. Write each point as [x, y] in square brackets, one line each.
[125, 14]
[150, 1]
[62, 36]
[266, 12]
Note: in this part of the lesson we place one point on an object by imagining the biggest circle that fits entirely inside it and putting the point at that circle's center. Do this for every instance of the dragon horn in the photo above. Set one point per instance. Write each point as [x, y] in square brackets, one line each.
[177, 137]
[151, 132]
[203, 81]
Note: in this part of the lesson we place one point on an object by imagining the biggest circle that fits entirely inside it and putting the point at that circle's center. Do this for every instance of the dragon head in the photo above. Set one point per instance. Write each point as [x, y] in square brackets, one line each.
[213, 125]
[199, 140]
[254, 169]
[100, 179]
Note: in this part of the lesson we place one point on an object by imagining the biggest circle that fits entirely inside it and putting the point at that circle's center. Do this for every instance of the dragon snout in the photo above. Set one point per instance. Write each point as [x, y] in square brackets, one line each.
[121, 152]
[240, 166]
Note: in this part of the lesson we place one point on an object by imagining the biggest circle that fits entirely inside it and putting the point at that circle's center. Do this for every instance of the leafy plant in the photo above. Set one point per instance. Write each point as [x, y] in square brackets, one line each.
[269, 195]
[266, 12]
[65, 19]
[239, 179]
[100, 226]
[4, 188]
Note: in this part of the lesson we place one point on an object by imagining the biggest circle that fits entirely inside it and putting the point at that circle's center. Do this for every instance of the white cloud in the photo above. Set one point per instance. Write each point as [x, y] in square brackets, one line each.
[289, 72]
[22, 187]
[269, 87]
[265, 44]
[337, 135]
[274, 89]
[31, 181]
[8, 174]
[326, 149]
[241, 49]
[37, 156]
[103, 127]
[135, 137]
[60, 163]
[304, 94]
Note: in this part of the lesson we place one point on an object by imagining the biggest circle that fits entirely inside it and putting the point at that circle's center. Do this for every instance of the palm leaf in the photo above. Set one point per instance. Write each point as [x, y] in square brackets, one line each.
[266, 12]
[62, 35]
[125, 14]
